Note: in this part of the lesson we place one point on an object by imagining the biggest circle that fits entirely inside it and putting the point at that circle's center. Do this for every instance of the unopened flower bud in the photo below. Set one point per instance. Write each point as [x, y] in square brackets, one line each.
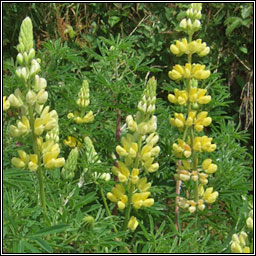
[42, 96]
[14, 101]
[31, 98]
[183, 24]
[20, 58]
[196, 25]
[31, 54]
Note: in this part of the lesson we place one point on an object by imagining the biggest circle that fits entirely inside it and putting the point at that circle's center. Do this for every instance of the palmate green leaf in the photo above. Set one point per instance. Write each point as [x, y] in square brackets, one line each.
[50, 230]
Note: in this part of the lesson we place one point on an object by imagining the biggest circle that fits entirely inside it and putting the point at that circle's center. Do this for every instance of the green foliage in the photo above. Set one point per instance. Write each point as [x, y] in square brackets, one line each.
[116, 47]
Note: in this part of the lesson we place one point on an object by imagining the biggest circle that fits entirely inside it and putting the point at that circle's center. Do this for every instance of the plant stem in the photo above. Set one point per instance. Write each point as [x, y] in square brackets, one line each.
[194, 158]
[131, 188]
[128, 209]
[39, 170]
[106, 206]
[194, 164]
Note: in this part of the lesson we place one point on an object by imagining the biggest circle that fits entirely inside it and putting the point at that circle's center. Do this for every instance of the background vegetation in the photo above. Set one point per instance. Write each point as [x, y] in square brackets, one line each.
[116, 46]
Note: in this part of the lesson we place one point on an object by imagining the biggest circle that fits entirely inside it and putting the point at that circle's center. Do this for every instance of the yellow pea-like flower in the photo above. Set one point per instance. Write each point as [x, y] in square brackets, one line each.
[236, 247]
[132, 125]
[209, 196]
[88, 118]
[50, 154]
[70, 115]
[172, 98]
[121, 151]
[176, 73]
[201, 205]
[180, 97]
[33, 163]
[112, 197]
[142, 185]
[14, 101]
[120, 205]
[133, 223]
[148, 202]
[6, 104]
[179, 120]
[175, 50]
[193, 47]
[22, 161]
[42, 96]
[38, 126]
[72, 142]
[209, 167]
[190, 118]
[134, 177]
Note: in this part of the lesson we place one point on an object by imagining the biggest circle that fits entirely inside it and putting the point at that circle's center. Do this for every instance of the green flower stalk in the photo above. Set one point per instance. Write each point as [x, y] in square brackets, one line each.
[191, 169]
[36, 119]
[137, 155]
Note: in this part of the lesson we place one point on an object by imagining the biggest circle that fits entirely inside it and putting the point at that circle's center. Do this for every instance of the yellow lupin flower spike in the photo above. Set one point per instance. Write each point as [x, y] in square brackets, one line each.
[36, 119]
[192, 121]
[137, 152]
[82, 101]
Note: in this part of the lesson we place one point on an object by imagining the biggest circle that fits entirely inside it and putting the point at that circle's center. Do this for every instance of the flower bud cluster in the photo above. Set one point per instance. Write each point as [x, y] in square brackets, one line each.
[68, 170]
[240, 243]
[147, 103]
[82, 101]
[137, 153]
[83, 96]
[192, 121]
[192, 23]
[92, 157]
[35, 118]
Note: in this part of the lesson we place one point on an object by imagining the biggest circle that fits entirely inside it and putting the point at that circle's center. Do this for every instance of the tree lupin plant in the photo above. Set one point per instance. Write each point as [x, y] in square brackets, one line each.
[137, 152]
[192, 168]
[36, 120]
